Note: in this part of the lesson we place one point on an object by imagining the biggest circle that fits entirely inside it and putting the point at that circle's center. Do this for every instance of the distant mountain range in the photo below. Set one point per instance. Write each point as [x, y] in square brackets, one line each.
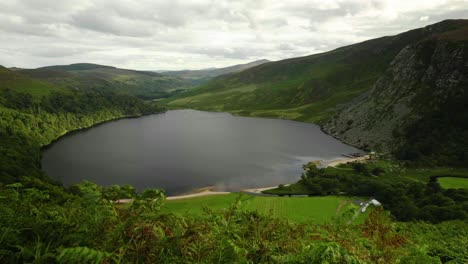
[142, 84]
[404, 94]
[200, 76]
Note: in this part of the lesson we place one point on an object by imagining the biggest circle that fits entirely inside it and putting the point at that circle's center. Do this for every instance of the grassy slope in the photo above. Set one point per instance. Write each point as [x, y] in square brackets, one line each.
[307, 89]
[295, 209]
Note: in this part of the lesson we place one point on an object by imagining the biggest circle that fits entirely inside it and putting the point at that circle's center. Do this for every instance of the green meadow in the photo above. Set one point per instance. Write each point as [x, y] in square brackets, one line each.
[453, 182]
[317, 209]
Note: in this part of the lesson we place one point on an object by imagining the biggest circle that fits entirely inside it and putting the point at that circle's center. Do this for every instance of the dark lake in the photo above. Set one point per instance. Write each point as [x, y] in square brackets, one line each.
[185, 149]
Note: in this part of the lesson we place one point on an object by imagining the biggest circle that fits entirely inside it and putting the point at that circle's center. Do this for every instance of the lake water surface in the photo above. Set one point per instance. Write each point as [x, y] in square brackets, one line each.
[185, 149]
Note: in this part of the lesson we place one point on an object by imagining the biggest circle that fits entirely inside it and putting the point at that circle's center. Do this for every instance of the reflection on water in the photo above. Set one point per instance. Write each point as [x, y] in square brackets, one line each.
[186, 149]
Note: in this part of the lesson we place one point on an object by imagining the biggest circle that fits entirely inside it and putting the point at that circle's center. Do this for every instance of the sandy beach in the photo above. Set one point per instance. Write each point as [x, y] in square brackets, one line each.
[198, 194]
[335, 163]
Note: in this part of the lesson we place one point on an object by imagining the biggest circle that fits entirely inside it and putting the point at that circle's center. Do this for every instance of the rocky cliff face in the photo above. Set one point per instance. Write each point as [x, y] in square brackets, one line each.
[427, 78]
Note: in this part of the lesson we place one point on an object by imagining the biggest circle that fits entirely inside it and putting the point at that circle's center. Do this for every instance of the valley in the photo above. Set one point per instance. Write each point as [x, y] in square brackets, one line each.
[401, 99]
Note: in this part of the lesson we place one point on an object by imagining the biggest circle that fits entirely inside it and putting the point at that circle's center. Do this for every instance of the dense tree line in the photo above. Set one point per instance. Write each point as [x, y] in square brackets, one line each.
[74, 102]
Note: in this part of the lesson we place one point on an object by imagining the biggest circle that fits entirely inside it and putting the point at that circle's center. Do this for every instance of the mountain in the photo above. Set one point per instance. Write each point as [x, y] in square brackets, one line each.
[404, 94]
[418, 108]
[312, 88]
[200, 76]
[86, 76]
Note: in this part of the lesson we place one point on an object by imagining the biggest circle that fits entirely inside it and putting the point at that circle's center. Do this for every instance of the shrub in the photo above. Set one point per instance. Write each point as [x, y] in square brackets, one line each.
[377, 171]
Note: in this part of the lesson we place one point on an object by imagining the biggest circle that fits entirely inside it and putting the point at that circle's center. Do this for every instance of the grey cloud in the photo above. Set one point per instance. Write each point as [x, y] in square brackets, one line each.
[110, 24]
[232, 53]
[316, 14]
[58, 51]
[445, 14]
[152, 34]
[286, 46]
[14, 25]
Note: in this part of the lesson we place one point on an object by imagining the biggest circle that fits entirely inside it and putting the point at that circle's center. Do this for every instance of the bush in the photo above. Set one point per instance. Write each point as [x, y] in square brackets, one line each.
[377, 171]
[360, 168]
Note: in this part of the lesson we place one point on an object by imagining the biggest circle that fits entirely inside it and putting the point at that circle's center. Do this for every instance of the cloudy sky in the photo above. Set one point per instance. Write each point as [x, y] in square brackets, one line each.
[193, 34]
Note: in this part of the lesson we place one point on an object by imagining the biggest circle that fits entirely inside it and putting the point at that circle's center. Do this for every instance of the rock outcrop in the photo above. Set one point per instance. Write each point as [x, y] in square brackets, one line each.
[425, 77]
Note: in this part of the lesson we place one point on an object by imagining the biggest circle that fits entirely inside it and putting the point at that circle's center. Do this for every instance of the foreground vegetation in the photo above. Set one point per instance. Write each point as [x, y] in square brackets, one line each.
[83, 225]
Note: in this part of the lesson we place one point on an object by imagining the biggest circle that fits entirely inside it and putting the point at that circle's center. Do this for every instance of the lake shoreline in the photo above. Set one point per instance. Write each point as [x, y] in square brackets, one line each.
[210, 190]
[78, 130]
[81, 129]
[191, 194]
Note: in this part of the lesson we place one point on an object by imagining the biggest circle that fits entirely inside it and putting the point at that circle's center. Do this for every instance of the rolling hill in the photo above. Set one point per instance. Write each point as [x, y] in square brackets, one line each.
[22, 83]
[85, 76]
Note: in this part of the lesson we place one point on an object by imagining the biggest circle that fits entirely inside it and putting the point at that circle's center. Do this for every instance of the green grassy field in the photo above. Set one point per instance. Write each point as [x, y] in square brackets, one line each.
[452, 182]
[295, 209]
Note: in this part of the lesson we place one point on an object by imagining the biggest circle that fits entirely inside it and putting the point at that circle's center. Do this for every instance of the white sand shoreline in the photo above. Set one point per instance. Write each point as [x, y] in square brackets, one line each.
[334, 163]
[198, 194]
